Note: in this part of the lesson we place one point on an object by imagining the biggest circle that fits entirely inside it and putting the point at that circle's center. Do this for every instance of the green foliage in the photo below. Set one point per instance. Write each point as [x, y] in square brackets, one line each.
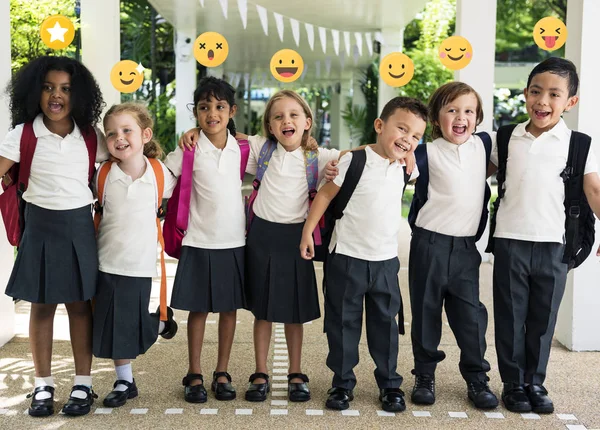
[407, 200]
[355, 117]
[438, 23]
[430, 74]
[369, 83]
[26, 17]
[509, 106]
[164, 125]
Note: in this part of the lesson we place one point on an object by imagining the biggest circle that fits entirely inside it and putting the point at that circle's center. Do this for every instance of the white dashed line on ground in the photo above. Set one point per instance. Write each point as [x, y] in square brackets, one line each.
[103, 411]
[174, 411]
[566, 417]
[351, 413]
[140, 411]
[209, 411]
[385, 414]
[243, 411]
[531, 416]
[422, 414]
[494, 415]
[279, 402]
[314, 412]
[458, 415]
[279, 411]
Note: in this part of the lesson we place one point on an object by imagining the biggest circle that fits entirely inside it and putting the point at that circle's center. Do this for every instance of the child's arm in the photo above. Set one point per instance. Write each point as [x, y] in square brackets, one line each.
[5, 165]
[189, 139]
[591, 188]
[317, 209]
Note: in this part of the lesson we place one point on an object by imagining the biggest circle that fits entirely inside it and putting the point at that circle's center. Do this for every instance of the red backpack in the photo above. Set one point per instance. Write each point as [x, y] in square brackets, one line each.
[16, 180]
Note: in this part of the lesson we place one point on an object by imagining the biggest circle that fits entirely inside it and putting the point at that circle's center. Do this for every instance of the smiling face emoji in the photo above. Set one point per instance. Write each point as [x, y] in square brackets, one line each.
[211, 49]
[126, 76]
[456, 52]
[396, 69]
[286, 65]
[550, 33]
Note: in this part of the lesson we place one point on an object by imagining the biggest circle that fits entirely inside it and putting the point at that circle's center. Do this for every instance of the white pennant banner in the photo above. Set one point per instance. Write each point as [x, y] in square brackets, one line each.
[318, 69]
[310, 33]
[347, 42]
[327, 65]
[323, 37]
[279, 24]
[369, 42]
[335, 35]
[264, 20]
[201, 3]
[243, 8]
[295, 30]
[379, 37]
[224, 7]
[358, 38]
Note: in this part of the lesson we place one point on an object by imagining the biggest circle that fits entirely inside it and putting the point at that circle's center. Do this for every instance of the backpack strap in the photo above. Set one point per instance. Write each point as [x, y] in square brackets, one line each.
[27, 149]
[263, 162]
[502, 139]
[245, 154]
[406, 179]
[422, 185]
[355, 170]
[91, 142]
[100, 187]
[311, 162]
[487, 144]
[185, 189]
[159, 174]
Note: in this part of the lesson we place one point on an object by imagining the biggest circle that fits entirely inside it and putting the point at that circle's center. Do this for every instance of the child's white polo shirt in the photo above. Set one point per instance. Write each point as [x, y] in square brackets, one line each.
[283, 194]
[59, 175]
[457, 175]
[533, 208]
[127, 236]
[371, 222]
[217, 218]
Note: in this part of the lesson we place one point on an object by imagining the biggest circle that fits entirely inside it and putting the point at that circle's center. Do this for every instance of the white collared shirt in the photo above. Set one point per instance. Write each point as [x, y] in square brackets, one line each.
[127, 235]
[283, 193]
[217, 218]
[533, 208]
[457, 175]
[371, 222]
[60, 166]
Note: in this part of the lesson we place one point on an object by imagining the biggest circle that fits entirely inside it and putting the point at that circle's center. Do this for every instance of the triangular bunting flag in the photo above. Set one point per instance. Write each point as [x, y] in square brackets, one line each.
[323, 37]
[369, 42]
[243, 8]
[264, 20]
[310, 33]
[279, 24]
[335, 35]
[201, 3]
[224, 7]
[358, 38]
[347, 42]
[295, 30]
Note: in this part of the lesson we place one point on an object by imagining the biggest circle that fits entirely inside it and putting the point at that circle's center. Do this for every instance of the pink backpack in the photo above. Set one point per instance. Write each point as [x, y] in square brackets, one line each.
[178, 206]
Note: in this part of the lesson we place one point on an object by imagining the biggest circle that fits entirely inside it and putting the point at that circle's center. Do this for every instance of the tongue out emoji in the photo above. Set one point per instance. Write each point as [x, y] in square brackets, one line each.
[550, 33]
[550, 41]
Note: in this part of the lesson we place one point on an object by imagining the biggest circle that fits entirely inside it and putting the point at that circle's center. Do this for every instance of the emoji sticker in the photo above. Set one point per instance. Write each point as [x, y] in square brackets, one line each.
[550, 33]
[127, 76]
[211, 49]
[396, 69]
[456, 52]
[57, 32]
[286, 65]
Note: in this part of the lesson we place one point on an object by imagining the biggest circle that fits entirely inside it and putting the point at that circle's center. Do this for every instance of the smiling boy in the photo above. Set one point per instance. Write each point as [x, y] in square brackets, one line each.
[528, 240]
[363, 262]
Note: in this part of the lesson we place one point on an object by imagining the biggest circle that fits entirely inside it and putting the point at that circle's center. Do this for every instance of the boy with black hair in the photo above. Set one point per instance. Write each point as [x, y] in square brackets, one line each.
[528, 231]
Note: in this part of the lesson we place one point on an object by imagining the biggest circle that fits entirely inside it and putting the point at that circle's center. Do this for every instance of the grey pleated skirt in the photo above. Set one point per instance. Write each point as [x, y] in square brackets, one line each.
[123, 326]
[57, 260]
[280, 285]
[209, 280]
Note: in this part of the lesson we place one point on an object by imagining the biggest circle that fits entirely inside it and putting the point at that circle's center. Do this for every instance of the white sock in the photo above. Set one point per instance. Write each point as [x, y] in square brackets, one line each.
[82, 380]
[125, 373]
[48, 381]
[161, 327]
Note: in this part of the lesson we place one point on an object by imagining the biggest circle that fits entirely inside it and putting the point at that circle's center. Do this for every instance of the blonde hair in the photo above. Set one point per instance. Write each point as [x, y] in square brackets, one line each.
[307, 144]
[139, 112]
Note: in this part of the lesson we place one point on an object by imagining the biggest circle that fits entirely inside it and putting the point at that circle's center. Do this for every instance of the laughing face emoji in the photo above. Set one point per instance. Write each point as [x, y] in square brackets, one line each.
[455, 52]
[550, 33]
[396, 69]
[211, 49]
[286, 65]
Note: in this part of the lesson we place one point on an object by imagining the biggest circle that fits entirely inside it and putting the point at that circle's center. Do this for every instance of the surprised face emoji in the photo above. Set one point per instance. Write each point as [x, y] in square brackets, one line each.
[211, 49]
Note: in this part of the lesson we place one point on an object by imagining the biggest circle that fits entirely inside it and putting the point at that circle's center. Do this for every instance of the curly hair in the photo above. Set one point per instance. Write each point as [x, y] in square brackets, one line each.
[211, 87]
[25, 89]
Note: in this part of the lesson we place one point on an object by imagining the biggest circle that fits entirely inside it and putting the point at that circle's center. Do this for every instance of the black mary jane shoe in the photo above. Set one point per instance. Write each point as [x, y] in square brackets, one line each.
[41, 407]
[222, 390]
[170, 324]
[339, 398]
[257, 392]
[538, 397]
[392, 399]
[298, 392]
[76, 406]
[119, 398]
[194, 393]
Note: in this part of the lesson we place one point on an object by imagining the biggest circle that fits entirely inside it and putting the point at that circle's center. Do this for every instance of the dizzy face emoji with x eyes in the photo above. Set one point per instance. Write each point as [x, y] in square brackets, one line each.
[456, 52]
[211, 49]
[550, 33]
[126, 76]
[396, 69]
[286, 65]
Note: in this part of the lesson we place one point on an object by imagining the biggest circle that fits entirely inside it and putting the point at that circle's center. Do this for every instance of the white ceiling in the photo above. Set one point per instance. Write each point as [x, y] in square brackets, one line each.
[250, 50]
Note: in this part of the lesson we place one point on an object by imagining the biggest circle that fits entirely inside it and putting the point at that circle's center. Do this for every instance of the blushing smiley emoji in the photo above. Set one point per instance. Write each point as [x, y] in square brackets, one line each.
[396, 69]
[456, 52]
[550, 33]
[126, 76]
[286, 65]
[211, 49]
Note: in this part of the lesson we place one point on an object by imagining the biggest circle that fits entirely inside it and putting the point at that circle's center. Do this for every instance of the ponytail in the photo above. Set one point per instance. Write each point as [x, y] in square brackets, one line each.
[231, 127]
[152, 149]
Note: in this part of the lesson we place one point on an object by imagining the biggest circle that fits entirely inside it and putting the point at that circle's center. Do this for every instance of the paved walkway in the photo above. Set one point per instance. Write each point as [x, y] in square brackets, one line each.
[573, 381]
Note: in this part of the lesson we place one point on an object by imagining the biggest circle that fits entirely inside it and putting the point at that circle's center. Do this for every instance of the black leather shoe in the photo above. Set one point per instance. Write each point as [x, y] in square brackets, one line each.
[194, 393]
[257, 392]
[538, 397]
[339, 398]
[119, 398]
[515, 399]
[481, 396]
[392, 400]
[222, 390]
[423, 393]
[76, 406]
[298, 392]
[42, 407]
[170, 324]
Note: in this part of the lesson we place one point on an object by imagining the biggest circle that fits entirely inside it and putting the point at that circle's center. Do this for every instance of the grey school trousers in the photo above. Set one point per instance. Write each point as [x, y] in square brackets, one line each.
[349, 283]
[529, 283]
[443, 271]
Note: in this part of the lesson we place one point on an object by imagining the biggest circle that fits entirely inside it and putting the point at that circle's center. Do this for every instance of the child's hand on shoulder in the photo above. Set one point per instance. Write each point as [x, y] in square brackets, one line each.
[307, 246]
[411, 162]
[331, 171]
[189, 139]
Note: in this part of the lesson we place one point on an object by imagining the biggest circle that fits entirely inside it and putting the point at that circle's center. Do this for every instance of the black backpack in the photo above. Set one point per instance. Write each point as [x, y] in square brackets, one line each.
[579, 217]
[422, 185]
[335, 210]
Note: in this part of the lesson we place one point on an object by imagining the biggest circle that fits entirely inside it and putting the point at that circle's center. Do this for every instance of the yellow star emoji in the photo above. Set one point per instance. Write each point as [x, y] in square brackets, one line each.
[57, 32]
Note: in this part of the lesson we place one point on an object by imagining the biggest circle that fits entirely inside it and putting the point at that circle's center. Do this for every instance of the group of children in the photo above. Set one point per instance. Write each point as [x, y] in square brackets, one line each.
[234, 260]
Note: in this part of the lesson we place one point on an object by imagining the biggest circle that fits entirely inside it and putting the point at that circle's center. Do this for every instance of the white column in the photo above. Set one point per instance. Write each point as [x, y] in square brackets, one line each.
[476, 22]
[340, 133]
[393, 38]
[578, 317]
[100, 43]
[185, 72]
[7, 308]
